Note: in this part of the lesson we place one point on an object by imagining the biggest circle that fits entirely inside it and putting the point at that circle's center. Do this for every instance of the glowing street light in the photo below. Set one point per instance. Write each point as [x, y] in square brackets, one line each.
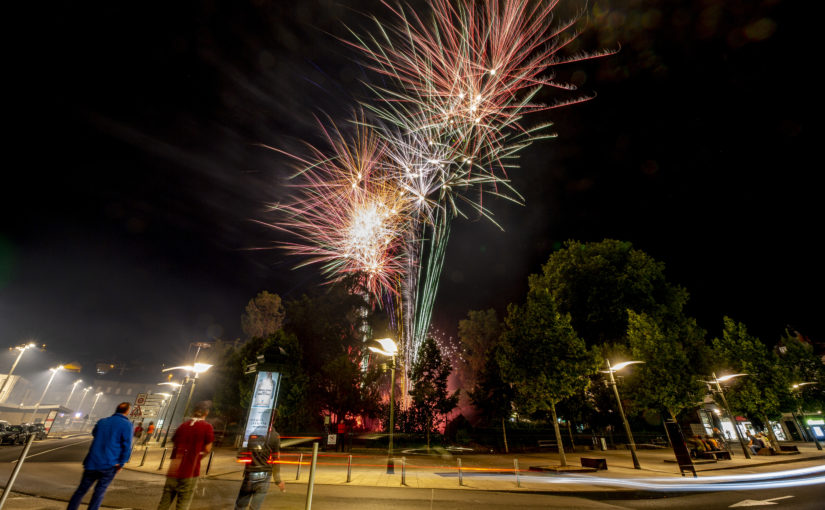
[86, 390]
[198, 369]
[716, 381]
[54, 372]
[390, 349]
[796, 389]
[74, 387]
[97, 397]
[610, 371]
[22, 348]
[174, 408]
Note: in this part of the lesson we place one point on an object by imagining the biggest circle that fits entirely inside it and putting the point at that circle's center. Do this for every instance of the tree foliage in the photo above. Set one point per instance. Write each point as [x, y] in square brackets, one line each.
[263, 316]
[760, 393]
[477, 334]
[541, 355]
[674, 358]
[597, 283]
[431, 401]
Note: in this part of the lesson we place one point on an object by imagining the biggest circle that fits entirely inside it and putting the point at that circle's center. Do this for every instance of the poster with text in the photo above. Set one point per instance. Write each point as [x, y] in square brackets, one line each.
[264, 398]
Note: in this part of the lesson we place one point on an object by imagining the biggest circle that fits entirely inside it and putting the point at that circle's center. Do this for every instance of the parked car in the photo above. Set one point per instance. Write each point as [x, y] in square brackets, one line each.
[38, 429]
[4, 429]
[13, 434]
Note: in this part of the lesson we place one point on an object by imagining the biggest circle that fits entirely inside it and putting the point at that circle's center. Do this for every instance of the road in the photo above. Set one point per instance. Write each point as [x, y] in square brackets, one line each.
[53, 470]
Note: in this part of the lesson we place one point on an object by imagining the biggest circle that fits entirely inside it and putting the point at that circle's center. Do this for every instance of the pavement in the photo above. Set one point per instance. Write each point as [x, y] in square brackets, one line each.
[442, 469]
[471, 471]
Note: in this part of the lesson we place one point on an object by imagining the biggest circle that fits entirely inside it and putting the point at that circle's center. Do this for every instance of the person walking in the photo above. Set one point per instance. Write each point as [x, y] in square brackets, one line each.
[262, 466]
[193, 440]
[110, 450]
[147, 434]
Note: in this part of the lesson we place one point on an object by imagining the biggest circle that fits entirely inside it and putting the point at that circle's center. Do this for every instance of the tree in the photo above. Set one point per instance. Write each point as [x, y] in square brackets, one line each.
[477, 334]
[597, 283]
[759, 395]
[492, 396]
[543, 357]
[263, 316]
[802, 365]
[431, 402]
[674, 363]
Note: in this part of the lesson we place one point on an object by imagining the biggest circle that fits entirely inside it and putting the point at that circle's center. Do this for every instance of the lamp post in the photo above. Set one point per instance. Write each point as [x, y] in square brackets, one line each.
[74, 387]
[198, 369]
[166, 424]
[22, 349]
[86, 390]
[54, 372]
[610, 370]
[717, 381]
[97, 397]
[164, 408]
[389, 348]
[796, 388]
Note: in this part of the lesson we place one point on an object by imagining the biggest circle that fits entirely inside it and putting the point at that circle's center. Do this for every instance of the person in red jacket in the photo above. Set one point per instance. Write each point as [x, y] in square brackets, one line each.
[193, 440]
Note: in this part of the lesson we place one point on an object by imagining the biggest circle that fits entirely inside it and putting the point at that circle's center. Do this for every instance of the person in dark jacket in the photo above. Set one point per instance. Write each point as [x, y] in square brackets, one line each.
[262, 465]
[110, 450]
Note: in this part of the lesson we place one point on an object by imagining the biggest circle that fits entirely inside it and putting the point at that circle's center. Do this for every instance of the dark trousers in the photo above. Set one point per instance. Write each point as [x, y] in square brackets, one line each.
[103, 478]
[253, 491]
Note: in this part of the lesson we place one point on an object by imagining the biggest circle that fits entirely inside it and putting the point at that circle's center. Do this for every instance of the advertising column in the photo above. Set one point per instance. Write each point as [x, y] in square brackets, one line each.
[264, 398]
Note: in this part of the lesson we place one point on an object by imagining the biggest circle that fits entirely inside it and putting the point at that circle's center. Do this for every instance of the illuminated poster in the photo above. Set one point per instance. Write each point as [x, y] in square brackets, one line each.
[264, 398]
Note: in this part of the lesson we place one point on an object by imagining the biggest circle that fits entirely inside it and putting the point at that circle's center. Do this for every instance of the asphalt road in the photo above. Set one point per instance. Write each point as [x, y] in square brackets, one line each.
[53, 469]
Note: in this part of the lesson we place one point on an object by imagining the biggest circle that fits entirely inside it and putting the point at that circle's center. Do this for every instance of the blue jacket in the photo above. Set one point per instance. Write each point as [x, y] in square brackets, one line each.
[112, 444]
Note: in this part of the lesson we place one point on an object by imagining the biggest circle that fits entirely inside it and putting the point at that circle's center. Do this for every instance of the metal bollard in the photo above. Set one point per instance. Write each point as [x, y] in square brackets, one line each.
[311, 483]
[209, 462]
[460, 475]
[298, 472]
[515, 469]
[403, 470]
[143, 459]
[349, 469]
[162, 459]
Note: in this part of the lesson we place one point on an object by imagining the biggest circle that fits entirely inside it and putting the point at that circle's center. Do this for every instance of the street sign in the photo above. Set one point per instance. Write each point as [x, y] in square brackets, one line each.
[202, 345]
[136, 413]
[140, 399]
[251, 368]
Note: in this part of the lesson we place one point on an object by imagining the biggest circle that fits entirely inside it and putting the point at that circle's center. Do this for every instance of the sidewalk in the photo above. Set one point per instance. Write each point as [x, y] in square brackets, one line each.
[480, 471]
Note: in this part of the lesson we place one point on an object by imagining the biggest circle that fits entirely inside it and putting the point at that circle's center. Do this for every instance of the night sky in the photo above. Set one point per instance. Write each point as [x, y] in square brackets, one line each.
[134, 167]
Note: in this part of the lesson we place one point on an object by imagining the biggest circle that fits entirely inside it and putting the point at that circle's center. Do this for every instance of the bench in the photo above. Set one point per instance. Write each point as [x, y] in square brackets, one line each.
[788, 449]
[590, 462]
[715, 454]
[767, 452]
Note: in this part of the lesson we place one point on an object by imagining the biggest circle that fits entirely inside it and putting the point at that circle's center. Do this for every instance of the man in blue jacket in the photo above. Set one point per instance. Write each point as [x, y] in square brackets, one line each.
[110, 450]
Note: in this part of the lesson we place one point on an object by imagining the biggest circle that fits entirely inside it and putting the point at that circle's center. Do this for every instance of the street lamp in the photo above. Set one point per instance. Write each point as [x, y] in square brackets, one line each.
[74, 387]
[86, 390]
[166, 424]
[610, 370]
[717, 380]
[197, 368]
[796, 387]
[22, 348]
[97, 397]
[389, 348]
[54, 372]
[164, 408]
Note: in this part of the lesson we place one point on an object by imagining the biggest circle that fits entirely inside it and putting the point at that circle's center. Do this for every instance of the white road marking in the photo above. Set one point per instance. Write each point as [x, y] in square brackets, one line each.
[53, 449]
[757, 502]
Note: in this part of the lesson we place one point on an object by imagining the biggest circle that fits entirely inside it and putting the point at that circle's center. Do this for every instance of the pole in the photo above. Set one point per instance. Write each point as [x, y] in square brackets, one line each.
[37, 405]
[93, 406]
[515, 470]
[174, 408]
[83, 397]
[809, 430]
[311, 484]
[732, 419]
[636, 464]
[298, 471]
[162, 458]
[390, 461]
[460, 475]
[349, 469]
[16, 470]
[403, 470]
[74, 387]
[13, 366]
